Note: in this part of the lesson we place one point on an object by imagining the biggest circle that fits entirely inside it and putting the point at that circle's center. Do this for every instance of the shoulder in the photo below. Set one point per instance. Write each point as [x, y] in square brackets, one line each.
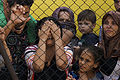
[31, 49]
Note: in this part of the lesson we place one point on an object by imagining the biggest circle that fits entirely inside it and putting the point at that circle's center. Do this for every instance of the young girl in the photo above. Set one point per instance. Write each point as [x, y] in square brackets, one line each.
[88, 60]
[111, 45]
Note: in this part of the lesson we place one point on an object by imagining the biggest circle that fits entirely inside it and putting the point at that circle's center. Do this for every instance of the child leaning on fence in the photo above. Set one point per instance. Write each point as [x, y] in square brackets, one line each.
[110, 42]
[86, 23]
[49, 58]
[88, 60]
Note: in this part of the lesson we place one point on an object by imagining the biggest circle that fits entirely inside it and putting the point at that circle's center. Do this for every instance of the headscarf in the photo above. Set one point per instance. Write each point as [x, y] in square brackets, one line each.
[111, 45]
[56, 13]
[67, 25]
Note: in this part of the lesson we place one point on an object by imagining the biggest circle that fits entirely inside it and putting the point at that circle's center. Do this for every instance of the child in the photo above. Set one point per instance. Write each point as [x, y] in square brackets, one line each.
[88, 60]
[86, 22]
[49, 58]
[110, 42]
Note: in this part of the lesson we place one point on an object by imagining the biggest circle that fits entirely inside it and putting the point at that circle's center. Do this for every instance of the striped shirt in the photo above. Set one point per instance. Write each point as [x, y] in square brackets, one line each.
[30, 53]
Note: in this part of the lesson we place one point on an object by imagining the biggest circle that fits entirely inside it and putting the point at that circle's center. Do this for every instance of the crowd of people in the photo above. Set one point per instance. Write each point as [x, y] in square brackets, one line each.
[48, 49]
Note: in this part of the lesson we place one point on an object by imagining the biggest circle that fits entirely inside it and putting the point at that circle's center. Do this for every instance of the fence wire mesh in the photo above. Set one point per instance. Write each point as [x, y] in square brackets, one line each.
[60, 39]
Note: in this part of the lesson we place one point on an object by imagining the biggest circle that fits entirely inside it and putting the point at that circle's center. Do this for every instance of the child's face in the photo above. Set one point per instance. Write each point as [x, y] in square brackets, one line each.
[64, 16]
[20, 28]
[85, 26]
[117, 5]
[86, 62]
[110, 27]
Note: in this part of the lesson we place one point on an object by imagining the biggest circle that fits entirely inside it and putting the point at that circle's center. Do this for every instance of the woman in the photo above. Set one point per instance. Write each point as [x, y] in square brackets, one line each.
[111, 45]
[66, 18]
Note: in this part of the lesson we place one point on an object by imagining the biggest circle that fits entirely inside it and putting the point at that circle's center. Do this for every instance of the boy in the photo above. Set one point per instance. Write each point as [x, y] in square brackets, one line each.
[86, 22]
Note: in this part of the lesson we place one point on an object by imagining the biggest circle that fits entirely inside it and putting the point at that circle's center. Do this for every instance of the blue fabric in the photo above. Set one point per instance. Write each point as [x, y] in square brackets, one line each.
[88, 39]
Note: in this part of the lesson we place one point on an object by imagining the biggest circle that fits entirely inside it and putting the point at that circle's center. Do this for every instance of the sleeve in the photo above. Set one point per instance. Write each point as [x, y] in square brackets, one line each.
[31, 30]
[29, 55]
[69, 54]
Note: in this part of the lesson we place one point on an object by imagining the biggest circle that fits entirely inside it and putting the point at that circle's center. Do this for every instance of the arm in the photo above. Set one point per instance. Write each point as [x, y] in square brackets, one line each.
[39, 59]
[2, 37]
[61, 58]
[67, 36]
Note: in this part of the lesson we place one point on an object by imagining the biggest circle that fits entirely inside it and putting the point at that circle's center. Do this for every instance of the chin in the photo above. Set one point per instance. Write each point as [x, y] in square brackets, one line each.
[18, 32]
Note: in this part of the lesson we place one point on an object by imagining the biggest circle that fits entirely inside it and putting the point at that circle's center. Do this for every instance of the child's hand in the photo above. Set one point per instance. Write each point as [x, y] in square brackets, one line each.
[17, 14]
[44, 32]
[70, 77]
[55, 30]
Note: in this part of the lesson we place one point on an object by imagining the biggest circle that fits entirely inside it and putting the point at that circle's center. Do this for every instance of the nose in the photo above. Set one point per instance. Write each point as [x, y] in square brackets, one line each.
[108, 26]
[82, 62]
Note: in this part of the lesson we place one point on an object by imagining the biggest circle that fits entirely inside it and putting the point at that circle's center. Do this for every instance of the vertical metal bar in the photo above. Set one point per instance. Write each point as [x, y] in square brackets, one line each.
[7, 62]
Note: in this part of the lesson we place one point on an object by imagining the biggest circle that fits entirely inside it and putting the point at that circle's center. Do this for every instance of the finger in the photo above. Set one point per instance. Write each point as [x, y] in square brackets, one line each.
[22, 9]
[27, 19]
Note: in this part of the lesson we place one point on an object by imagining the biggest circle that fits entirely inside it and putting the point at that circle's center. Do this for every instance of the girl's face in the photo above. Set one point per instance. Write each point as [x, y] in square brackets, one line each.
[86, 61]
[110, 27]
[64, 16]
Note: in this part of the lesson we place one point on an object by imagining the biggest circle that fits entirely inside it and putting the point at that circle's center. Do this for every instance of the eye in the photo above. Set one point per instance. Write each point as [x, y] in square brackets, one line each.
[86, 23]
[87, 60]
[106, 22]
[81, 58]
[79, 24]
[68, 20]
[113, 23]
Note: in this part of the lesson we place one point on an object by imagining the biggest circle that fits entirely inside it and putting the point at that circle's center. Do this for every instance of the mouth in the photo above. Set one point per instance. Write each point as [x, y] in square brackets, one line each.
[108, 31]
[18, 26]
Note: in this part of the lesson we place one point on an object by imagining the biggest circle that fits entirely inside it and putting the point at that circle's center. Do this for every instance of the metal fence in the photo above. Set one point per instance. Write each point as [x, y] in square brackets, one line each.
[53, 39]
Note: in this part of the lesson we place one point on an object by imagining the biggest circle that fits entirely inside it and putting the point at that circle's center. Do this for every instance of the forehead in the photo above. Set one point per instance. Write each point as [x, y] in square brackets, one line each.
[64, 14]
[109, 18]
[82, 21]
[87, 55]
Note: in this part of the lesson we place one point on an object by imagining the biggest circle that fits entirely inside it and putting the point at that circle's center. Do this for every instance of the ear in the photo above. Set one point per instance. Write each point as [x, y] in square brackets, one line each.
[95, 65]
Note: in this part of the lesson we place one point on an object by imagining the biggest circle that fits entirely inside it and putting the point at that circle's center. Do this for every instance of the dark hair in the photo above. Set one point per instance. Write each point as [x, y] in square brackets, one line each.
[97, 52]
[41, 22]
[87, 15]
[21, 2]
[11, 2]
[25, 2]
[116, 1]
